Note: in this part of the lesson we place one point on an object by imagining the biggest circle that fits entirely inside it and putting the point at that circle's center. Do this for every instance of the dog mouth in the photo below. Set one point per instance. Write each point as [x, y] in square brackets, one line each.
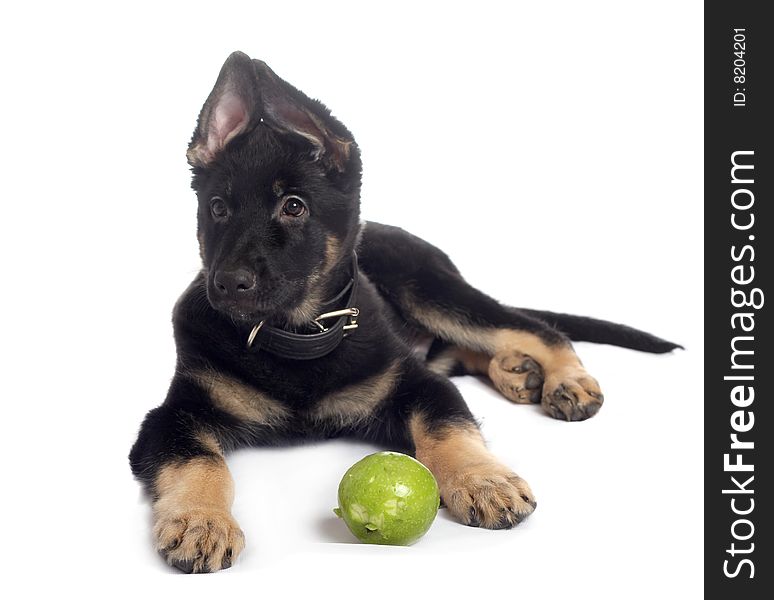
[253, 310]
[247, 316]
[252, 314]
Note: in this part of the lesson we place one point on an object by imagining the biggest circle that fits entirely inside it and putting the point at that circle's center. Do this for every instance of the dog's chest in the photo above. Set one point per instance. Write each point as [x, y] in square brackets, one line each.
[355, 402]
[296, 402]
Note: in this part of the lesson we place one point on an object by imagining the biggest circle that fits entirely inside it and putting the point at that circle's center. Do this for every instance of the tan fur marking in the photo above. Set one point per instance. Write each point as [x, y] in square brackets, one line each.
[443, 363]
[551, 357]
[476, 487]
[200, 237]
[445, 451]
[473, 362]
[210, 442]
[463, 335]
[278, 187]
[309, 309]
[195, 483]
[517, 376]
[332, 253]
[240, 399]
[568, 391]
[489, 341]
[357, 402]
[194, 527]
[198, 156]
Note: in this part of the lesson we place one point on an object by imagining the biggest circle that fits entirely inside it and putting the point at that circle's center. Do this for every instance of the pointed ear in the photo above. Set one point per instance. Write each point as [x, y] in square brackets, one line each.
[230, 108]
[288, 110]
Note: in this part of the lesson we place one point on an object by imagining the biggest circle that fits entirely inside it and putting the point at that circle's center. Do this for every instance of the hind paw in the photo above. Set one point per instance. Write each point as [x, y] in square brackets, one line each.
[572, 396]
[517, 376]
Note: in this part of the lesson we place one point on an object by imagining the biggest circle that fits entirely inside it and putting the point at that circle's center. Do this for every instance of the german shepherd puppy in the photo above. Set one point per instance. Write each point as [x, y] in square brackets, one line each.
[302, 325]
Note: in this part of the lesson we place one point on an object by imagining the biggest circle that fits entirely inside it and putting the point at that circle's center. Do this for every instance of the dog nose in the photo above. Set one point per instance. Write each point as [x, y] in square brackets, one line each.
[234, 284]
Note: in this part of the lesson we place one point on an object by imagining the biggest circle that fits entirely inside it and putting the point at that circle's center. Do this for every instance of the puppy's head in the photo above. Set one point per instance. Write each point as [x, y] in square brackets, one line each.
[278, 184]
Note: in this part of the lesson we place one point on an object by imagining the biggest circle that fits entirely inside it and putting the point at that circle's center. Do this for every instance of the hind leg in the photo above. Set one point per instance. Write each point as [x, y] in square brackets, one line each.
[516, 369]
[516, 375]
[515, 349]
[521, 359]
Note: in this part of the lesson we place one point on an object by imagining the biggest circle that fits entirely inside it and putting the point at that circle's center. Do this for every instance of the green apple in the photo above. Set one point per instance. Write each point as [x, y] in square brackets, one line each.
[388, 498]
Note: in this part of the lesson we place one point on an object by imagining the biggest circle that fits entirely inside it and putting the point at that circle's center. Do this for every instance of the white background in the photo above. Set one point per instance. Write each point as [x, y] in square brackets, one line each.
[553, 149]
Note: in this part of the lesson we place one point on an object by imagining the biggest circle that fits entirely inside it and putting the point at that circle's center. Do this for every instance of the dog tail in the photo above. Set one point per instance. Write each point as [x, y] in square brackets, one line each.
[586, 329]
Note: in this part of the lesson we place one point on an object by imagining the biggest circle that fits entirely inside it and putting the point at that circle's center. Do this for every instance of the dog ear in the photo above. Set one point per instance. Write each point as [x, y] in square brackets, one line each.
[288, 110]
[229, 110]
[248, 92]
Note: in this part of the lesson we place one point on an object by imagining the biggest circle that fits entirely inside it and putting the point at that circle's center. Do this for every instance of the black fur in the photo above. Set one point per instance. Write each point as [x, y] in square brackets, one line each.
[259, 144]
[586, 329]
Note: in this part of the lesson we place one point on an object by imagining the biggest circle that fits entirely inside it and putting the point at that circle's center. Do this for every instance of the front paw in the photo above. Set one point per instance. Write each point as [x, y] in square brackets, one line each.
[198, 540]
[572, 396]
[488, 495]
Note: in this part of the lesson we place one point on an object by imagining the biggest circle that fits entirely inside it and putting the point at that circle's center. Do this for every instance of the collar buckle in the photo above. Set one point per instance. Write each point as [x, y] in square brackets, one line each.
[254, 332]
[352, 313]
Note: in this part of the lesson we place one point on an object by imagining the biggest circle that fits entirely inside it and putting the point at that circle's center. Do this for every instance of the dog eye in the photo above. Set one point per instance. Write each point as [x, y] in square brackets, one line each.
[218, 208]
[294, 206]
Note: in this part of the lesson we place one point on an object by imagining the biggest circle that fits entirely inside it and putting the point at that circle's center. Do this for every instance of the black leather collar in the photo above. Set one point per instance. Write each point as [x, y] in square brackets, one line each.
[308, 346]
